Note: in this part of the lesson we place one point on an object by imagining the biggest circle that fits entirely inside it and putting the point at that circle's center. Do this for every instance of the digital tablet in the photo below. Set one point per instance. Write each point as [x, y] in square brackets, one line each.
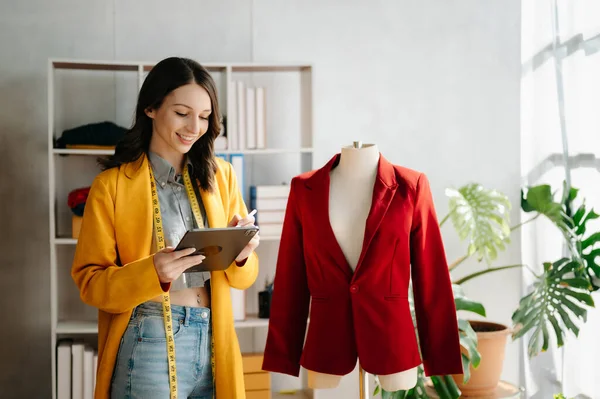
[220, 246]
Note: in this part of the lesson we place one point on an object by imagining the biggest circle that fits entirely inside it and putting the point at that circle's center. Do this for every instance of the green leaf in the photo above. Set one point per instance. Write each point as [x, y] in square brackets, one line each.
[471, 347]
[468, 340]
[590, 260]
[577, 282]
[578, 218]
[525, 206]
[572, 193]
[418, 392]
[377, 390]
[580, 296]
[557, 330]
[463, 303]
[442, 388]
[546, 342]
[445, 387]
[590, 241]
[540, 199]
[452, 387]
[400, 395]
[558, 300]
[482, 217]
[469, 306]
[466, 369]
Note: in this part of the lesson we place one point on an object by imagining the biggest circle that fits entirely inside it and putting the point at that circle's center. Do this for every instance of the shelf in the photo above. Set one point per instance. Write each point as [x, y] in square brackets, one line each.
[73, 241]
[270, 238]
[299, 394]
[135, 66]
[251, 321]
[91, 327]
[65, 241]
[70, 151]
[266, 151]
[269, 67]
[77, 327]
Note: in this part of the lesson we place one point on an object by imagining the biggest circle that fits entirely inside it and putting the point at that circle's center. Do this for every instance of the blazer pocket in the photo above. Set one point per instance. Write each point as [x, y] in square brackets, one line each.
[396, 297]
[395, 274]
[320, 298]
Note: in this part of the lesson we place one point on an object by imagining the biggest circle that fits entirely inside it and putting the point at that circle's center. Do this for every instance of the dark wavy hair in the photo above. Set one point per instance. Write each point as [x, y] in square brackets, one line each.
[163, 78]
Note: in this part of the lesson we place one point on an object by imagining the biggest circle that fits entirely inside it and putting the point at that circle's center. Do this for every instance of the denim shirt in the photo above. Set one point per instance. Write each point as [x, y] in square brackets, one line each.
[177, 215]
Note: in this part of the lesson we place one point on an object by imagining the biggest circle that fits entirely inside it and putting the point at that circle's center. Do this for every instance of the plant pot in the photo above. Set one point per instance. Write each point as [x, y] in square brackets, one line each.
[491, 343]
[264, 304]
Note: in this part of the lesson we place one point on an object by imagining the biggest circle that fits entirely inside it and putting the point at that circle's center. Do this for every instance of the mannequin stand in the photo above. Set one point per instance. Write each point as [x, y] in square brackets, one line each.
[363, 376]
[363, 383]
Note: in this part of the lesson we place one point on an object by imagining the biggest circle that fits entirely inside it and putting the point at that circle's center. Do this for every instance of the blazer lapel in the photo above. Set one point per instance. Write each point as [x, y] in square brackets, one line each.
[383, 193]
[318, 186]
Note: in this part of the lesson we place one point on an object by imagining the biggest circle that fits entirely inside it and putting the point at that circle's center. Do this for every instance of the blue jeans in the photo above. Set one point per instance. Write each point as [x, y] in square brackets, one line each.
[141, 370]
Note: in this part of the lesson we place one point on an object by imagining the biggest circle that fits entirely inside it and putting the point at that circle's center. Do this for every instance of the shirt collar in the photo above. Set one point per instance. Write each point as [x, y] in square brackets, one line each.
[163, 170]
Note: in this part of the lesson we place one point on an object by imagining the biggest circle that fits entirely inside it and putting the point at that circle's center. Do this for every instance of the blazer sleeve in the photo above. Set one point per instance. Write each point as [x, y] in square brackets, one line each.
[243, 276]
[435, 310]
[290, 298]
[101, 281]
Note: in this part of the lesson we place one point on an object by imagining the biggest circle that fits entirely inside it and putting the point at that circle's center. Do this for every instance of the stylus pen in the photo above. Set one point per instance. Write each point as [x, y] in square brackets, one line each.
[250, 214]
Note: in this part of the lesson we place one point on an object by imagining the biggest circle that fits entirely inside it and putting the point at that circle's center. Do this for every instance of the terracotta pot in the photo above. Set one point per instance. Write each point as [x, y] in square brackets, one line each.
[491, 343]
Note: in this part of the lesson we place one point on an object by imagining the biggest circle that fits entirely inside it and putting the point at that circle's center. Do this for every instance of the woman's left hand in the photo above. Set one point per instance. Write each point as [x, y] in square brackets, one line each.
[253, 244]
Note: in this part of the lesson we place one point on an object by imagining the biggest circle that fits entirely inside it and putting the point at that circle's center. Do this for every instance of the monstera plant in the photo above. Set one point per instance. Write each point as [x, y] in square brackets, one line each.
[562, 291]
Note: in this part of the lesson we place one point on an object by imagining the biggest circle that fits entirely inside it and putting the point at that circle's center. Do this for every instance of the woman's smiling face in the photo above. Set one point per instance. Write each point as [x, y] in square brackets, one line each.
[180, 121]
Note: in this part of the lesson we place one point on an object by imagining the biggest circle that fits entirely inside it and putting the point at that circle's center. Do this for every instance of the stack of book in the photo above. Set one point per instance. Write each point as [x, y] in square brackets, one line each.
[246, 123]
[76, 370]
[270, 203]
[256, 381]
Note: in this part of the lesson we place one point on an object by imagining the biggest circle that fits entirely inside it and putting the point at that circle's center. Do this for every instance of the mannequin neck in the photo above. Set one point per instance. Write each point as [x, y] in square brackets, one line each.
[359, 162]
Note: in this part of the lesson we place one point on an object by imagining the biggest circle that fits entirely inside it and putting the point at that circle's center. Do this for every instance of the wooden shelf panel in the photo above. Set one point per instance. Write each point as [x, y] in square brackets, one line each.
[73, 241]
[266, 151]
[96, 65]
[66, 327]
[299, 394]
[134, 66]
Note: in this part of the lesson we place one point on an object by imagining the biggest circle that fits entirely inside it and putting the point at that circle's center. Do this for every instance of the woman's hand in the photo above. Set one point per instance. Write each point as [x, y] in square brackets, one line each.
[169, 264]
[253, 244]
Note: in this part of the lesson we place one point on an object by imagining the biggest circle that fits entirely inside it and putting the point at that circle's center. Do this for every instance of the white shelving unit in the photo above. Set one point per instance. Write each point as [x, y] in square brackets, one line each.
[289, 146]
[266, 151]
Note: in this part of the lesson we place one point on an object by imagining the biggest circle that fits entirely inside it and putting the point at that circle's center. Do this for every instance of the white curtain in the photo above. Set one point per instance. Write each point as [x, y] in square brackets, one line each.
[560, 130]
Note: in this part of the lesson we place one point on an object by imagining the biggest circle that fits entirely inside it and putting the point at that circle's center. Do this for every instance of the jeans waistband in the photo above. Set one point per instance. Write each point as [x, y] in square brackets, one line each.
[187, 313]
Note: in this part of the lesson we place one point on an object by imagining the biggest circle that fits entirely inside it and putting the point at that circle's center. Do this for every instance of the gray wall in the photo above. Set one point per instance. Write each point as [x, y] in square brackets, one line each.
[435, 84]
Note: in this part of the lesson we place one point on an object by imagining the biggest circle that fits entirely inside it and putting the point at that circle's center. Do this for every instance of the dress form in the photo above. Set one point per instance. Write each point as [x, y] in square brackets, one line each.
[350, 197]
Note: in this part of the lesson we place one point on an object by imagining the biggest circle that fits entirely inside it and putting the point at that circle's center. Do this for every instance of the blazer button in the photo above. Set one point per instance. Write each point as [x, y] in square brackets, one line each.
[354, 288]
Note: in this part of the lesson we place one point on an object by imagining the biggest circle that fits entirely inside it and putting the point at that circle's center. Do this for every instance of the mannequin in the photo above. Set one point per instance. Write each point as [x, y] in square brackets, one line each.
[357, 231]
[350, 197]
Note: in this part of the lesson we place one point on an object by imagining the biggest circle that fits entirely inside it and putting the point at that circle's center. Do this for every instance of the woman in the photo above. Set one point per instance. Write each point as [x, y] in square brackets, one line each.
[122, 266]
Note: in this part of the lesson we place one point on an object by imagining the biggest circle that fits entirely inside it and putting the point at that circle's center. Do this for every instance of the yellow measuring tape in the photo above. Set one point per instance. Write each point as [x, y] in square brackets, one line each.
[166, 299]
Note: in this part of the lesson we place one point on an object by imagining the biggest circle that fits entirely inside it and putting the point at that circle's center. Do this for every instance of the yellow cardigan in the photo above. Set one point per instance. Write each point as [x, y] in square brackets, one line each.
[114, 270]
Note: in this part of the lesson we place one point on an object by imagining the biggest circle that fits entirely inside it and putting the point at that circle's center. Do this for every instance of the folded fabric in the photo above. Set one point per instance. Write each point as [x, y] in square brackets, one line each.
[78, 210]
[76, 200]
[101, 133]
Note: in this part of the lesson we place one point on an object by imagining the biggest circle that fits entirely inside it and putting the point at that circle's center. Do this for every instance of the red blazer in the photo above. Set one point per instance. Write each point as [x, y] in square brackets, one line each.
[364, 314]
